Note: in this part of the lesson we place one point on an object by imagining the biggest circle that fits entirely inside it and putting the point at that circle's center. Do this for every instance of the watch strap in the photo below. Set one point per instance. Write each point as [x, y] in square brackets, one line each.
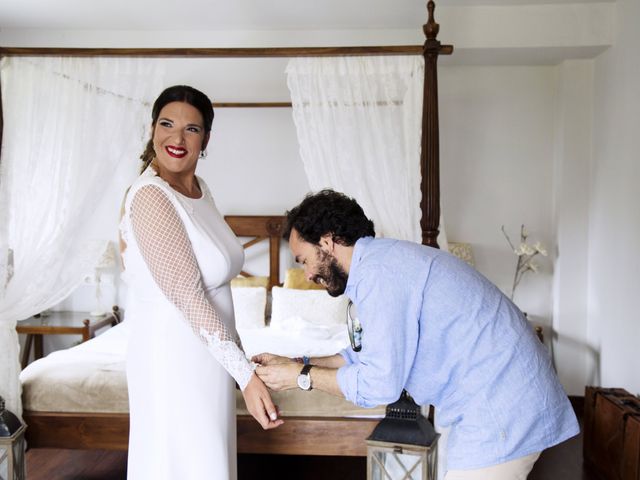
[305, 370]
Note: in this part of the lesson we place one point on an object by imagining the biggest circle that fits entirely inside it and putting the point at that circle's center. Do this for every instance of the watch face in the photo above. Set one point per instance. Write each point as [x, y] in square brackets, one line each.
[304, 382]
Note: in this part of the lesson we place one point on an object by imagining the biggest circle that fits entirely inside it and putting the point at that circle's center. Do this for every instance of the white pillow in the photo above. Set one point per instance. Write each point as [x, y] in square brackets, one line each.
[249, 305]
[293, 308]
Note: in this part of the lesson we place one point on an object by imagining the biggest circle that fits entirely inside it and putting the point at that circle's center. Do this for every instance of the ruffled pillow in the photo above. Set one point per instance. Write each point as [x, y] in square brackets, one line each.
[293, 308]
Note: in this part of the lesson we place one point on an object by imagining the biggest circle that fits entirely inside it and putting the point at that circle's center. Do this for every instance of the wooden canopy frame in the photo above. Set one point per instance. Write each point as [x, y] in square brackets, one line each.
[341, 436]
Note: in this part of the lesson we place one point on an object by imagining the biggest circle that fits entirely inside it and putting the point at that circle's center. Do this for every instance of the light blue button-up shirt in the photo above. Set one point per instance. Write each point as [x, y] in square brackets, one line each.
[436, 327]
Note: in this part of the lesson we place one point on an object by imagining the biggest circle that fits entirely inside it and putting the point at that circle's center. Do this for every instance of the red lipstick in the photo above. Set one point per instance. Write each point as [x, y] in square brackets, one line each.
[175, 152]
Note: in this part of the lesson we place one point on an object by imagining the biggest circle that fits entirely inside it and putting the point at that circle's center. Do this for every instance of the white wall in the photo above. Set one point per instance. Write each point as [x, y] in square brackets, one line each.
[496, 166]
[614, 266]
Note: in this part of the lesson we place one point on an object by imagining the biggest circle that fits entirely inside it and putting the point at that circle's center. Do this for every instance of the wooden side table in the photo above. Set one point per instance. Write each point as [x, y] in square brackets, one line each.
[62, 323]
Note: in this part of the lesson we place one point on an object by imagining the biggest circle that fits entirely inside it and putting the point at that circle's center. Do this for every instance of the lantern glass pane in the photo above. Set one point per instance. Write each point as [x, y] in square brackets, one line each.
[404, 465]
[18, 459]
[378, 470]
[4, 462]
[391, 465]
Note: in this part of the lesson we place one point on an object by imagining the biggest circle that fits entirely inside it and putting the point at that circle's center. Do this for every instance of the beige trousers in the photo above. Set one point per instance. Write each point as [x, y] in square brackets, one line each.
[517, 469]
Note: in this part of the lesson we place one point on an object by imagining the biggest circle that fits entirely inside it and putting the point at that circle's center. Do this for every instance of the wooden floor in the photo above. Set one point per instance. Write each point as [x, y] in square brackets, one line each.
[562, 462]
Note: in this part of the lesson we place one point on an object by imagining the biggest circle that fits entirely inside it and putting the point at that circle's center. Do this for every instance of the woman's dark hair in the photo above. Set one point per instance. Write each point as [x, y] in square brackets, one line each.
[177, 93]
[331, 212]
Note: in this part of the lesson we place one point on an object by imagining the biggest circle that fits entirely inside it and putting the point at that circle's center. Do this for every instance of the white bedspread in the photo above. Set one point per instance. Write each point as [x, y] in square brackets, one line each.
[89, 377]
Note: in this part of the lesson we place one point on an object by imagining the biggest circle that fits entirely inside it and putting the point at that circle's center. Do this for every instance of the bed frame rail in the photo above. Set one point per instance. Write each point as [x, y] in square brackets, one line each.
[334, 436]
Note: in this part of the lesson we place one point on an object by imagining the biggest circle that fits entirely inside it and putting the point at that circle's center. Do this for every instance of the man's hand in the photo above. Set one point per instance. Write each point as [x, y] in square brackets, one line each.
[265, 359]
[258, 401]
[280, 376]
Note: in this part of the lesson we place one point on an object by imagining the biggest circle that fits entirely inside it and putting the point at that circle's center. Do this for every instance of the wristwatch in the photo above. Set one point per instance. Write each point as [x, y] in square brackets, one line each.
[304, 379]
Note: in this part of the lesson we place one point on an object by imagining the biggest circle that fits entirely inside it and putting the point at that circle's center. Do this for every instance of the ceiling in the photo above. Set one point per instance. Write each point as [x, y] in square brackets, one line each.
[173, 15]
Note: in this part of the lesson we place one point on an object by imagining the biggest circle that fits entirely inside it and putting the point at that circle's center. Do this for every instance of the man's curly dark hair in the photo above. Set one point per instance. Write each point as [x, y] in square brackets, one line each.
[331, 212]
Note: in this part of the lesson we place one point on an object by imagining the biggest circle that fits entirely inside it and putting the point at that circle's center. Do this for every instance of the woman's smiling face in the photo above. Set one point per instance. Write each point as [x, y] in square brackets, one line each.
[179, 137]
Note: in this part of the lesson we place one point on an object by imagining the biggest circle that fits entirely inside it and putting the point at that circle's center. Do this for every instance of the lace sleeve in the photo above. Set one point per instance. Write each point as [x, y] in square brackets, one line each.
[168, 253]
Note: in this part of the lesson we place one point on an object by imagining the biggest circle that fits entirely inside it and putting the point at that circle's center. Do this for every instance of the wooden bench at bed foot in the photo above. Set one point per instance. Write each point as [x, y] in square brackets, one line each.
[104, 431]
[326, 436]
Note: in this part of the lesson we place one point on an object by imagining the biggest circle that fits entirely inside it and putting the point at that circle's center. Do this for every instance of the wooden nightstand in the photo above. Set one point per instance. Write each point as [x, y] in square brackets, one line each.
[62, 323]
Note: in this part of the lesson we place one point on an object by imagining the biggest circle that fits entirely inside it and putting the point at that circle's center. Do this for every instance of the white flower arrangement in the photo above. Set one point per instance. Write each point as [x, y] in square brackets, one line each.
[526, 254]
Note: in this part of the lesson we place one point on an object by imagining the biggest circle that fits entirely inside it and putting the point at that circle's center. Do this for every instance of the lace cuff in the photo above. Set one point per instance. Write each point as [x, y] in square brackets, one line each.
[230, 357]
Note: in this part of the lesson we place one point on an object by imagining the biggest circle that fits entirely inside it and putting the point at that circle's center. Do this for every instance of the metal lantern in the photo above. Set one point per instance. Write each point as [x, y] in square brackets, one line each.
[403, 446]
[12, 445]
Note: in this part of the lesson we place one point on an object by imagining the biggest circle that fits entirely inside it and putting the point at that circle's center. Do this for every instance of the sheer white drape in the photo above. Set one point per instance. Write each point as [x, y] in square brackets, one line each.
[72, 128]
[358, 121]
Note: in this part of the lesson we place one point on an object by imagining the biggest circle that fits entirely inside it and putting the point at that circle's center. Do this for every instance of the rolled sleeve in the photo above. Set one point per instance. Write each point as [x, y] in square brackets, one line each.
[349, 355]
[355, 383]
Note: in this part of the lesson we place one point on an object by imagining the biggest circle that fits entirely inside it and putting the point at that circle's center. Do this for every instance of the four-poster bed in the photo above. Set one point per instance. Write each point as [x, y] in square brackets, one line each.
[299, 435]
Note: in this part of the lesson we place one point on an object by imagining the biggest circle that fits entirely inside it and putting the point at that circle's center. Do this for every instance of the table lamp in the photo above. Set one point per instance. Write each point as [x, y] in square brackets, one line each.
[107, 260]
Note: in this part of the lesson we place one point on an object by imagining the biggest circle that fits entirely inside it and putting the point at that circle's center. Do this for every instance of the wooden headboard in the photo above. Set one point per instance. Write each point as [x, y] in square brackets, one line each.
[261, 228]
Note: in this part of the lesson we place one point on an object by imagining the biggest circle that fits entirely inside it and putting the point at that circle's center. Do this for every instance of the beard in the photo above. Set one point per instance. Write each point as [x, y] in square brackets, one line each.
[332, 275]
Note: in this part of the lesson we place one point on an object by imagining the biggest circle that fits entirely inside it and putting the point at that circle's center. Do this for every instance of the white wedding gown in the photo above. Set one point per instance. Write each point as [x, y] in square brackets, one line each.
[179, 258]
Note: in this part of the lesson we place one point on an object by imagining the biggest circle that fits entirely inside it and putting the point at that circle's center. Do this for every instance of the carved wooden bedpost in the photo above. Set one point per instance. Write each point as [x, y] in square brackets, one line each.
[430, 151]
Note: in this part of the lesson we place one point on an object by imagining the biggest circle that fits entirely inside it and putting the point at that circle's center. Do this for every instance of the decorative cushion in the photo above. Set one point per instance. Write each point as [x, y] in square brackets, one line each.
[296, 309]
[462, 251]
[249, 304]
[294, 278]
[240, 281]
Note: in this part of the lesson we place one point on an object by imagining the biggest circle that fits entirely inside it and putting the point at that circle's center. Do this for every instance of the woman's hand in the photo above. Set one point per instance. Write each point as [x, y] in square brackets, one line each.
[265, 359]
[258, 401]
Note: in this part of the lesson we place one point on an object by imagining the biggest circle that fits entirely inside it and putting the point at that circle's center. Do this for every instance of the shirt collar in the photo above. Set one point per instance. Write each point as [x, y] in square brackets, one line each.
[356, 258]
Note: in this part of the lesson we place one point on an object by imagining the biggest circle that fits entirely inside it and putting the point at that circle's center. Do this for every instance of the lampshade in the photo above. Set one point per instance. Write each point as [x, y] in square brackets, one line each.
[107, 260]
[108, 257]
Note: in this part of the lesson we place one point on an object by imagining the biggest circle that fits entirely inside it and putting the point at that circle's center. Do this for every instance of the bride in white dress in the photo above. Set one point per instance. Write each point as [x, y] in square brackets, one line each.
[183, 351]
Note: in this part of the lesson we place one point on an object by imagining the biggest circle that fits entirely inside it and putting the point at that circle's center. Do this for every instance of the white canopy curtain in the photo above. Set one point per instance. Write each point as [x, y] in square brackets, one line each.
[358, 121]
[70, 125]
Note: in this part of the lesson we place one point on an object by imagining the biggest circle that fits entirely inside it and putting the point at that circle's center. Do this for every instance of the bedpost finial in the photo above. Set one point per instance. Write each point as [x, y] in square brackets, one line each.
[431, 28]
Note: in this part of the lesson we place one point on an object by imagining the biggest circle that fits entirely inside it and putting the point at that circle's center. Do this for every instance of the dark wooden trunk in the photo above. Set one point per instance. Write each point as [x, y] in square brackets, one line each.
[612, 433]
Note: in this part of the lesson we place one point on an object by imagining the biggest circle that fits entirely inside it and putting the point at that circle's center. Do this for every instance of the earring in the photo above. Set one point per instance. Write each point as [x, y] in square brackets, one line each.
[203, 154]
